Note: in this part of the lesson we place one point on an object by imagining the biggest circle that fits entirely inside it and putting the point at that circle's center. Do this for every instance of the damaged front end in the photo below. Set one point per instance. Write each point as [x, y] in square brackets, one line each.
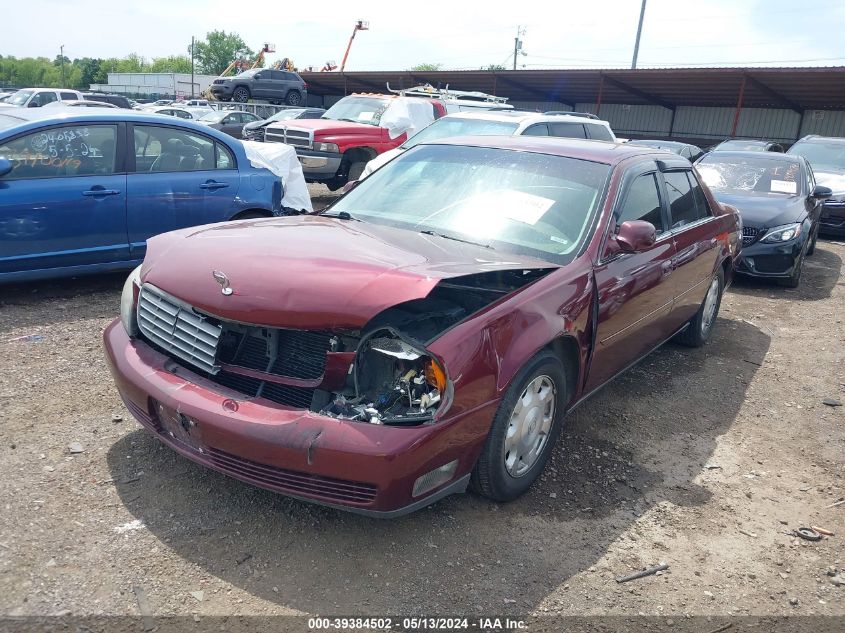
[394, 381]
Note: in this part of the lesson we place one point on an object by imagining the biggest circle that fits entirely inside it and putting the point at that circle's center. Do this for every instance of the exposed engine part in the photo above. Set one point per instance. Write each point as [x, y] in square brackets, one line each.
[395, 383]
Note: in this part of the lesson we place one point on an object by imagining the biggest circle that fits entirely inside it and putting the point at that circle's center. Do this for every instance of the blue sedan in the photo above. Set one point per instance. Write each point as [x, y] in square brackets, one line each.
[82, 191]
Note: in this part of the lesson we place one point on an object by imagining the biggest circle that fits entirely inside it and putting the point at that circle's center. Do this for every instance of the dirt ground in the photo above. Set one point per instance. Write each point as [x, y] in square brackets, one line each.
[702, 459]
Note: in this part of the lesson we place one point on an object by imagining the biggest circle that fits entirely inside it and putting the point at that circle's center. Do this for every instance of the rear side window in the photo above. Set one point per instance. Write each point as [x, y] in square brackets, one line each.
[642, 202]
[567, 130]
[78, 150]
[67, 96]
[598, 132]
[686, 199]
[165, 149]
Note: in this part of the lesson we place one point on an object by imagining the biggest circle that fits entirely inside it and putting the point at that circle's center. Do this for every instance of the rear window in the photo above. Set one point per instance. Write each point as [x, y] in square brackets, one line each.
[598, 132]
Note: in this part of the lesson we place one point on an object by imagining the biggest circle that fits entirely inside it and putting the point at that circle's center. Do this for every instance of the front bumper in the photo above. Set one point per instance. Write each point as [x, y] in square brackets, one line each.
[832, 220]
[771, 261]
[318, 166]
[368, 469]
[221, 91]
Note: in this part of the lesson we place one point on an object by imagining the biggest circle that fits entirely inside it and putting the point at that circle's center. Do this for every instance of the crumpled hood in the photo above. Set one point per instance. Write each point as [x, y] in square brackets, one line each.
[763, 210]
[310, 272]
[834, 180]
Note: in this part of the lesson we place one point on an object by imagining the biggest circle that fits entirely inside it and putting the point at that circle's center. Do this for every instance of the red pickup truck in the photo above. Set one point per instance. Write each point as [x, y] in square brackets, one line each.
[335, 148]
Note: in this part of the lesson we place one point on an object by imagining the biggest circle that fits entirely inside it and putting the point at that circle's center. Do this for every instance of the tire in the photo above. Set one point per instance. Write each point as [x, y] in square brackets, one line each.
[794, 279]
[355, 170]
[812, 247]
[241, 94]
[503, 472]
[294, 97]
[700, 327]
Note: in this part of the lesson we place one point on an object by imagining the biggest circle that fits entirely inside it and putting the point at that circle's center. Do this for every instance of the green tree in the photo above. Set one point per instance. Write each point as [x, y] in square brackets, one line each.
[494, 67]
[219, 50]
[427, 67]
[170, 64]
[89, 69]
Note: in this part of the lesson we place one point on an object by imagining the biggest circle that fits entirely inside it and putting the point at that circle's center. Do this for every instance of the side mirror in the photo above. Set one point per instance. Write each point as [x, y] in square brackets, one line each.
[820, 192]
[634, 236]
[5, 166]
[33, 104]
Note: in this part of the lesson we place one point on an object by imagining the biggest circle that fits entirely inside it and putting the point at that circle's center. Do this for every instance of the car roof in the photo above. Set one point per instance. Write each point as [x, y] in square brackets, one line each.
[821, 139]
[775, 156]
[597, 151]
[661, 143]
[518, 116]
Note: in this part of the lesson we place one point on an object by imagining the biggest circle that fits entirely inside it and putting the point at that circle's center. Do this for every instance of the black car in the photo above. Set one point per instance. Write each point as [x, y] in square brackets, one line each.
[827, 157]
[230, 122]
[275, 86]
[255, 131]
[682, 149]
[116, 100]
[747, 145]
[780, 204]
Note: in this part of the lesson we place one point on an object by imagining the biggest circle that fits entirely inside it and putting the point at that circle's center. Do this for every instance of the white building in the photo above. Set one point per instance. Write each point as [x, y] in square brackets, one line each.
[155, 84]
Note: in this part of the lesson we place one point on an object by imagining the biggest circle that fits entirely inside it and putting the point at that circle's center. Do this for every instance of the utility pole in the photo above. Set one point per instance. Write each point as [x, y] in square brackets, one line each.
[639, 32]
[62, 61]
[192, 66]
[517, 44]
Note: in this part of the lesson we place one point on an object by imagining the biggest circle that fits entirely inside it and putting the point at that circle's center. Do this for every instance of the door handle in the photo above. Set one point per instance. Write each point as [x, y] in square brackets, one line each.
[101, 192]
[212, 184]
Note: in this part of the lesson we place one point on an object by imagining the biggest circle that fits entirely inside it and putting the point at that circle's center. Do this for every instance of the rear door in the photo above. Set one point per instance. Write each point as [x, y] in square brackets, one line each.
[177, 178]
[634, 293]
[693, 229]
[64, 202]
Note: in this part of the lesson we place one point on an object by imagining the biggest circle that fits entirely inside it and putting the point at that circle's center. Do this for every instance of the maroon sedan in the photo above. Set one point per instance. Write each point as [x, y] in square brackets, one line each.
[429, 330]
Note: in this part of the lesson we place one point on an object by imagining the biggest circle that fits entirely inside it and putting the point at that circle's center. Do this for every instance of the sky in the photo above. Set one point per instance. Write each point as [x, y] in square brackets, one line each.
[457, 35]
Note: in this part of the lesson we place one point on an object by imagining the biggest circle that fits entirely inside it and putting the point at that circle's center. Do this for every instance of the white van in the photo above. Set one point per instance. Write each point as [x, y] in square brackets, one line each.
[36, 97]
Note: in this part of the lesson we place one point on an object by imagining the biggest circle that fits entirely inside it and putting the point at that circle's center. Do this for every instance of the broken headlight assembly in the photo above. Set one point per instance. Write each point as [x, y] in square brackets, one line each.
[395, 381]
[128, 302]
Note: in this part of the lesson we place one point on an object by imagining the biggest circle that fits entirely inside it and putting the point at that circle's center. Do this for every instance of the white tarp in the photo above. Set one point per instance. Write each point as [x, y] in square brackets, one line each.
[407, 115]
[282, 161]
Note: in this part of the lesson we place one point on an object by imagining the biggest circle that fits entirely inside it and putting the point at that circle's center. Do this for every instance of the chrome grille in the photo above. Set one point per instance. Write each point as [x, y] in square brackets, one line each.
[177, 329]
[289, 136]
[749, 234]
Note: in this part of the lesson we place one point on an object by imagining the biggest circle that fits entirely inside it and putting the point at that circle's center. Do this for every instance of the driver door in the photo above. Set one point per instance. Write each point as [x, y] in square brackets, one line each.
[634, 296]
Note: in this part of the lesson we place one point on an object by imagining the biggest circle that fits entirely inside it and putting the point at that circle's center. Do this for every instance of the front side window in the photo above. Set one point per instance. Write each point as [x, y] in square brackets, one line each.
[642, 202]
[43, 98]
[523, 202]
[79, 150]
[165, 149]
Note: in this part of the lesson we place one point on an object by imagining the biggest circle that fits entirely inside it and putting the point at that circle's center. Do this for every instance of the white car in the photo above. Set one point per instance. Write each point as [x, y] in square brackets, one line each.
[181, 113]
[35, 97]
[197, 103]
[509, 123]
[85, 103]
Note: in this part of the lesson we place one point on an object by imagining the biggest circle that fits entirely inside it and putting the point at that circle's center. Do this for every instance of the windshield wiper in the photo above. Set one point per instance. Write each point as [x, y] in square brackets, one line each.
[342, 215]
[457, 239]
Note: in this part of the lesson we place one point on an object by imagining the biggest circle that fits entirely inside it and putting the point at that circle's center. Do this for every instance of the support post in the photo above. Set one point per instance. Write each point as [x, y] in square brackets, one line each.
[601, 93]
[639, 33]
[738, 106]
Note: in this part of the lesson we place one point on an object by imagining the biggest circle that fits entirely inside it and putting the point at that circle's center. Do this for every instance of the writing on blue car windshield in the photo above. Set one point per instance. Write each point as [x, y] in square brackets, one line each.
[532, 204]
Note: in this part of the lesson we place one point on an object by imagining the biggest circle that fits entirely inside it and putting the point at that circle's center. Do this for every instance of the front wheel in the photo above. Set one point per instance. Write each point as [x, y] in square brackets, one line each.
[700, 328]
[241, 94]
[524, 430]
[812, 248]
[293, 98]
[794, 280]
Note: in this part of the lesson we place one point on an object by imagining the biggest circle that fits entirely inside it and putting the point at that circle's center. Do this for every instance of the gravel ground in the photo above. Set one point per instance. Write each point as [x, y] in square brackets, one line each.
[698, 458]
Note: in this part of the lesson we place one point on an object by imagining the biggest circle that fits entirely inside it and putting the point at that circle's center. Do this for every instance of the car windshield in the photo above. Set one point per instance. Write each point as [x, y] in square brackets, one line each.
[213, 116]
[522, 202]
[7, 121]
[247, 73]
[284, 115]
[20, 97]
[443, 128]
[741, 146]
[367, 110]
[822, 156]
[745, 175]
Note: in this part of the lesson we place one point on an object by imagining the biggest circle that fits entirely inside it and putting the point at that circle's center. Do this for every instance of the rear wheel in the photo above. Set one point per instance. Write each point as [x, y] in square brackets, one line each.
[524, 430]
[241, 94]
[293, 98]
[700, 327]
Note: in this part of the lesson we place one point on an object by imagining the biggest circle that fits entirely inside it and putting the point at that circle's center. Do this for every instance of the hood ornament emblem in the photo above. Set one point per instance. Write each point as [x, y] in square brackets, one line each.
[221, 278]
